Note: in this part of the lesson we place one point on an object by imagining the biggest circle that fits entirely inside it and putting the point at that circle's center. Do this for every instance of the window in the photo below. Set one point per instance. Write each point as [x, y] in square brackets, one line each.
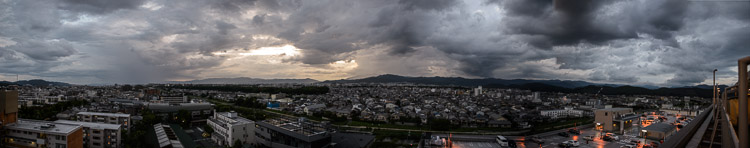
[97, 144]
[605, 113]
[60, 146]
[97, 131]
[97, 137]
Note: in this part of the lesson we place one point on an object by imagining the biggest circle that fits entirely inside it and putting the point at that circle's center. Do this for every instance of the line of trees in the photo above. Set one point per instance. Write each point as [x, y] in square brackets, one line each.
[251, 102]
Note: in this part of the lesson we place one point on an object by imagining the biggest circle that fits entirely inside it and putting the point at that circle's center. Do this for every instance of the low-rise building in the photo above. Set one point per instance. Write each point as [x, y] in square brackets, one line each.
[109, 118]
[228, 128]
[287, 132]
[99, 135]
[658, 131]
[199, 112]
[174, 99]
[26, 133]
[166, 137]
[562, 113]
[614, 119]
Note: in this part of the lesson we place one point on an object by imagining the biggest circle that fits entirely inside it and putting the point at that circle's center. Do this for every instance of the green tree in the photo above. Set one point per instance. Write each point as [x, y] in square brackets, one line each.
[440, 124]
[184, 118]
[237, 144]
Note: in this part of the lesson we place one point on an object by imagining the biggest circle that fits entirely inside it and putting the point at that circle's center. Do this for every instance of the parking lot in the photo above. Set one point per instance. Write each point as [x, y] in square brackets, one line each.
[553, 140]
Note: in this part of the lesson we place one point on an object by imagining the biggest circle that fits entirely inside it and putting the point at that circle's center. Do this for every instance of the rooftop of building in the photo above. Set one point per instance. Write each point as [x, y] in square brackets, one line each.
[43, 126]
[92, 125]
[615, 109]
[240, 120]
[105, 114]
[297, 126]
[660, 127]
[166, 136]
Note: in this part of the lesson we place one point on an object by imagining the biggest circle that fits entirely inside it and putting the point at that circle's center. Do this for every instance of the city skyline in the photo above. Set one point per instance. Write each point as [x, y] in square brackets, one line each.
[639, 42]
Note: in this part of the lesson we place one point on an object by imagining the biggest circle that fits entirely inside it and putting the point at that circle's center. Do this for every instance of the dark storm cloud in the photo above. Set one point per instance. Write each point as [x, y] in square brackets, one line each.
[428, 4]
[99, 6]
[632, 41]
[571, 22]
[44, 50]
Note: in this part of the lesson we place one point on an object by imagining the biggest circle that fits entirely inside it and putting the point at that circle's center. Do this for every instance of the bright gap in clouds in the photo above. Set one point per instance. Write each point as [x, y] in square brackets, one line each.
[286, 50]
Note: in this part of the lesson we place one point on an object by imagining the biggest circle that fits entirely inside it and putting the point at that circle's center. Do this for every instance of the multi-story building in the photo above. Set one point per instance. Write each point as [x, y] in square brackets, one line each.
[33, 133]
[562, 113]
[99, 135]
[228, 128]
[614, 119]
[290, 133]
[109, 118]
[198, 111]
[8, 110]
[8, 106]
[174, 99]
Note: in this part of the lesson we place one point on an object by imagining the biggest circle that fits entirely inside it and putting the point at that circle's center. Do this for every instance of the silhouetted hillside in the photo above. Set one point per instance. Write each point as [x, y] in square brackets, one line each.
[34, 82]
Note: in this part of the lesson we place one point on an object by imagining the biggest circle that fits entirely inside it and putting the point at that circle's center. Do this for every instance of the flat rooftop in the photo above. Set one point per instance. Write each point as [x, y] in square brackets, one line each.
[615, 109]
[306, 128]
[105, 114]
[92, 125]
[660, 127]
[240, 120]
[44, 126]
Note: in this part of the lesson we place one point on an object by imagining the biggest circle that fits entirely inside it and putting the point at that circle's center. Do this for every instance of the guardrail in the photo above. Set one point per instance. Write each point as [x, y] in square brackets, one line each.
[683, 137]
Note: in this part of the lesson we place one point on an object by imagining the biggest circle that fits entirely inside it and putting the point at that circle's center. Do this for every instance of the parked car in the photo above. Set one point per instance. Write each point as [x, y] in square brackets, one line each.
[536, 139]
[574, 131]
[613, 136]
[634, 142]
[588, 138]
[628, 146]
[572, 143]
[610, 138]
[564, 134]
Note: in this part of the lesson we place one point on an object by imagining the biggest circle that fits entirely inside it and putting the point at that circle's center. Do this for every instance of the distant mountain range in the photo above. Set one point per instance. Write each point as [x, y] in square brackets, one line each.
[34, 82]
[542, 85]
[458, 81]
[244, 80]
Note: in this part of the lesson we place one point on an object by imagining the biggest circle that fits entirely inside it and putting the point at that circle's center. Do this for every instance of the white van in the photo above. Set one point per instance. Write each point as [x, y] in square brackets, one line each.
[502, 141]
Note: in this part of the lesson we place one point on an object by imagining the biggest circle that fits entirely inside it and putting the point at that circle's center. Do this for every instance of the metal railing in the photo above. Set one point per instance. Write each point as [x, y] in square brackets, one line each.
[683, 137]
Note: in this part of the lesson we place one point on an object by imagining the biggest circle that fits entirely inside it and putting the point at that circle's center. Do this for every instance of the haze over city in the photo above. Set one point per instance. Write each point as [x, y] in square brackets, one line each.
[637, 42]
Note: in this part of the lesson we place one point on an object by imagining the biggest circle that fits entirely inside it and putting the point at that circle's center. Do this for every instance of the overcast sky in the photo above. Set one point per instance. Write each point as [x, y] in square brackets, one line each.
[641, 42]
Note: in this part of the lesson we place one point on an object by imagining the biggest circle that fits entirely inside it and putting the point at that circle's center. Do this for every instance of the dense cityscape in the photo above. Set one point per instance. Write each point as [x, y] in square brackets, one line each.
[330, 115]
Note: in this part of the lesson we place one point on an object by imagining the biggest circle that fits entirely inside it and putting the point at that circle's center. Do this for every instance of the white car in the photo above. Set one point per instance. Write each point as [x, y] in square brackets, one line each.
[628, 146]
[572, 143]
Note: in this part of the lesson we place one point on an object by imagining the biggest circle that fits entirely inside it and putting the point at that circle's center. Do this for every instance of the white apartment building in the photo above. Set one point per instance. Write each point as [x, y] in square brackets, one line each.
[109, 118]
[562, 113]
[99, 135]
[228, 127]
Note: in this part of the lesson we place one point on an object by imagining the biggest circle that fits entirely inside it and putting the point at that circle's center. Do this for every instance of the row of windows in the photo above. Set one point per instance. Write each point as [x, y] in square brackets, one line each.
[38, 135]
